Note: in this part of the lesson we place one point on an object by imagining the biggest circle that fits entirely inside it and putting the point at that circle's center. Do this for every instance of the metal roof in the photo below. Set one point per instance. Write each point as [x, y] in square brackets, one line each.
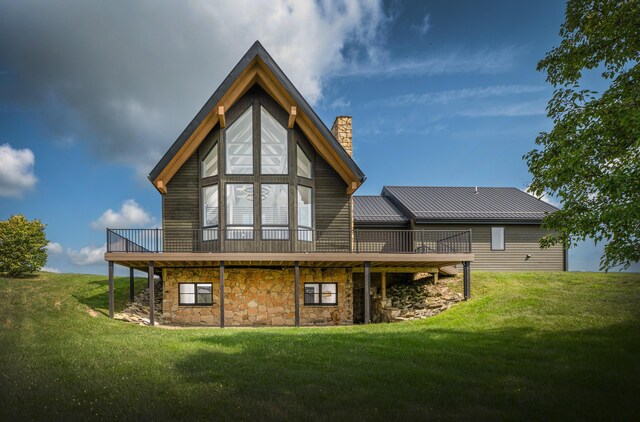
[466, 204]
[256, 50]
[375, 209]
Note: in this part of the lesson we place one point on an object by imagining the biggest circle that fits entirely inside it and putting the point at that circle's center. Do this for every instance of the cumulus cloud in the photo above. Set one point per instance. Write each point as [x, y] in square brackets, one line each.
[16, 171]
[54, 248]
[88, 255]
[51, 270]
[130, 215]
[126, 78]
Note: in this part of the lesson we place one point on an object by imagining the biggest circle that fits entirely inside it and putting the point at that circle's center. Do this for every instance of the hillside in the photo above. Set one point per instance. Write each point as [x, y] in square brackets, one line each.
[535, 346]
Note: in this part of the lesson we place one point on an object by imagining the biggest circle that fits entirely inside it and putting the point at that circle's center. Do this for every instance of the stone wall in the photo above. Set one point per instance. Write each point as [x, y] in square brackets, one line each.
[257, 296]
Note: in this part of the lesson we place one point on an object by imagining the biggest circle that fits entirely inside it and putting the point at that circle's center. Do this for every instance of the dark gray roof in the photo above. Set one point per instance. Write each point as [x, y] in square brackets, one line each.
[465, 204]
[376, 209]
[256, 50]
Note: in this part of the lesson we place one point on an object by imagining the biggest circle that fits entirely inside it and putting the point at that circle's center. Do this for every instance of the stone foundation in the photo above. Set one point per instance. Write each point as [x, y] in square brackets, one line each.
[257, 296]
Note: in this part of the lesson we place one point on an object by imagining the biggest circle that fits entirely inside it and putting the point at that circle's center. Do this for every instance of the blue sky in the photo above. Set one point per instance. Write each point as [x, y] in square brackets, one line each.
[93, 93]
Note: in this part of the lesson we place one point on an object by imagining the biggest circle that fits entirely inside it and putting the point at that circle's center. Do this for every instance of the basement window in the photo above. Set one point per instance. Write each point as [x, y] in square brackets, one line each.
[497, 238]
[320, 294]
[195, 294]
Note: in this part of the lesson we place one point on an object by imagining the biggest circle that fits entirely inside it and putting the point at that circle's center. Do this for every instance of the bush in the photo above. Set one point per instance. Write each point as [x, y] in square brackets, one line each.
[22, 246]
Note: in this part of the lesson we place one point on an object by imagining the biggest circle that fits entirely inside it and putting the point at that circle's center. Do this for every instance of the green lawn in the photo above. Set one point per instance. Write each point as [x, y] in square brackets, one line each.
[527, 346]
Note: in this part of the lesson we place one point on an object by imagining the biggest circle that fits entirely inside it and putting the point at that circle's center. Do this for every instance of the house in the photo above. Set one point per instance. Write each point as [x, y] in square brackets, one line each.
[504, 222]
[258, 216]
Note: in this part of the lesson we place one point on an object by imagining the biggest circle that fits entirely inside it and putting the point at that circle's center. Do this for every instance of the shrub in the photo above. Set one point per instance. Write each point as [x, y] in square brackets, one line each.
[22, 246]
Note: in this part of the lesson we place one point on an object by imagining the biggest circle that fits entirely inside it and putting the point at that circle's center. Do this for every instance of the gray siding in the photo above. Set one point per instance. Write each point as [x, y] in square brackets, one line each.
[332, 200]
[520, 240]
[180, 208]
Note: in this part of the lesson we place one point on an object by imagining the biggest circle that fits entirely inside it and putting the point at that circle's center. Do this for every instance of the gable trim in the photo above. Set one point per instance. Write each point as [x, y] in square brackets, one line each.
[257, 67]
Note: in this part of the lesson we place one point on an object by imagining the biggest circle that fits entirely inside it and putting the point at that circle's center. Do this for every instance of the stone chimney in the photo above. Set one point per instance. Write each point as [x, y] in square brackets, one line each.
[341, 130]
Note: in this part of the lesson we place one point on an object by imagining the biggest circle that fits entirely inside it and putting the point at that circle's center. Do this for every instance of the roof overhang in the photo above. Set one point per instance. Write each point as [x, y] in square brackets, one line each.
[257, 67]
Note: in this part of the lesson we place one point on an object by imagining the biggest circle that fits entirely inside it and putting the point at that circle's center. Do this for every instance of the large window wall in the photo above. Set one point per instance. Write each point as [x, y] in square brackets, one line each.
[257, 176]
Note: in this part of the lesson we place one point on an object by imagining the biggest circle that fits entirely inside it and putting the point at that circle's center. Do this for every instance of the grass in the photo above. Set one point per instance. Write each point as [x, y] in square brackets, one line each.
[527, 346]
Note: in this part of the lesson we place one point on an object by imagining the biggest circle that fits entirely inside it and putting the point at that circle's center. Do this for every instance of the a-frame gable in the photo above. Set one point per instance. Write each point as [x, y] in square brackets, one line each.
[257, 67]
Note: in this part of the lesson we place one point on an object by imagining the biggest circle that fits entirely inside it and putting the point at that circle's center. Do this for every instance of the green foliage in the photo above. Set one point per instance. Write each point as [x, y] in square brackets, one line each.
[22, 246]
[591, 157]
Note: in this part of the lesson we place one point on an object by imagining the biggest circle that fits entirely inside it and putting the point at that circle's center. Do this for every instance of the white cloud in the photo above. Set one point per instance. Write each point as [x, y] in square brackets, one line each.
[16, 171]
[426, 24]
[482, 61]
[88, 255]
[545, 197]
[54, 248]
[527, 108]
[340, 103]
[444, 97]
[50, 270]
[141, 72]
[131, 215]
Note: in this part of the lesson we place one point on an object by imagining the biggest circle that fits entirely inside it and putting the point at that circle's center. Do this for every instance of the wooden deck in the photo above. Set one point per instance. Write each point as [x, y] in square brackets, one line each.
[402, 262]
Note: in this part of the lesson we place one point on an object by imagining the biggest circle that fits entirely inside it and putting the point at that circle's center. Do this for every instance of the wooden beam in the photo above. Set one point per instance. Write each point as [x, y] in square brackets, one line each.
[421, 261]
[435, 277]
[221, 116]
[111, 290]
[397, 269]
[296, 278]
[152, 295]
[221, 294]
[367, 292]
[292, 117]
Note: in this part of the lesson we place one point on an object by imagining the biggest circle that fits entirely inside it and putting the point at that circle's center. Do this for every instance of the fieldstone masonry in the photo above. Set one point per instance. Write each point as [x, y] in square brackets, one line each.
[342, 131]
[257, 296]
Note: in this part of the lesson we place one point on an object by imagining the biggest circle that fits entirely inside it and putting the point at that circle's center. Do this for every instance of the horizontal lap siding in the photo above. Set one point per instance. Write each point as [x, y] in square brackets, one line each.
[520, 240]
[180, 203]
[331, 204]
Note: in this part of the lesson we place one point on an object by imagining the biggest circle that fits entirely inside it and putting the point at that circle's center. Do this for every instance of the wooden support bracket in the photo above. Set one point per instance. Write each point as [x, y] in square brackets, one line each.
[161, 187]
[292, 116]
[221, 116]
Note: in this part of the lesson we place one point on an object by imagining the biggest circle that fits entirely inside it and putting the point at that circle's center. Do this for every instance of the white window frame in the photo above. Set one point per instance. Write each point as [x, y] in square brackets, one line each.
[504, 243]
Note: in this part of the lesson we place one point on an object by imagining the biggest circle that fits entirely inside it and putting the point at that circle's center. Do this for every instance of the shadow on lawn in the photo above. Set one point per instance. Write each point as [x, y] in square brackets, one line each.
[518, 372]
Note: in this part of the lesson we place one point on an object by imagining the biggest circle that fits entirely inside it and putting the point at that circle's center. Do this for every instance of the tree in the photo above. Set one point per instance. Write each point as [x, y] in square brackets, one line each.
[591, 157]
[22, 246]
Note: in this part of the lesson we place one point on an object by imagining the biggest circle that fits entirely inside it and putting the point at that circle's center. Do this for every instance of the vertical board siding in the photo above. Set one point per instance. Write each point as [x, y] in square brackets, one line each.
[520, 240]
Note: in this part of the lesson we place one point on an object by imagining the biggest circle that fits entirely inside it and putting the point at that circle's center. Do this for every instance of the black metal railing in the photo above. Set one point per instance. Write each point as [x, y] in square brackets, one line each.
[281, 240]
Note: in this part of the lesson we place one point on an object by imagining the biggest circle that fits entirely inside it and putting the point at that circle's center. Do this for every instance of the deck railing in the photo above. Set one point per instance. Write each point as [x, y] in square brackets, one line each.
[277, 240]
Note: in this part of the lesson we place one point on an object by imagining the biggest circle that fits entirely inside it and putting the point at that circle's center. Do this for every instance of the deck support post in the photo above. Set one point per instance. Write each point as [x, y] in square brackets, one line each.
[367, 292]
[111, 289]
[435, 277]
[296, 280]
[384, 287]
[152, 294]
[221, 294]
[131, 284]
[467, 279]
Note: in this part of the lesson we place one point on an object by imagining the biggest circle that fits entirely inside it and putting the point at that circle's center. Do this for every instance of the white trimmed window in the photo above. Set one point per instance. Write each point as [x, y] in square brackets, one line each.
[239, 199]
[497, 238]
[275, 211]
